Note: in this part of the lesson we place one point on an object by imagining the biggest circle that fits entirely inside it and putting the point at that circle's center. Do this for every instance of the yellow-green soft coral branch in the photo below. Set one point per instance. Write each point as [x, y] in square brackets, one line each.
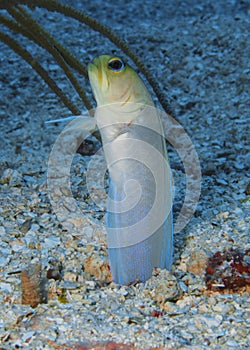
[14, 45]
[68, 11]
[65, 53]
[32, 31]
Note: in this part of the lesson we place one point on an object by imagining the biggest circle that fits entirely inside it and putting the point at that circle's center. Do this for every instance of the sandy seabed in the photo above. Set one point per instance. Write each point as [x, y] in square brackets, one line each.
[199, 53]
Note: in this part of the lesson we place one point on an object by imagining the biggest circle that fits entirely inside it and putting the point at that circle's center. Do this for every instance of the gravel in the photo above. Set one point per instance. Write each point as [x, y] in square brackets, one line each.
[199, 53]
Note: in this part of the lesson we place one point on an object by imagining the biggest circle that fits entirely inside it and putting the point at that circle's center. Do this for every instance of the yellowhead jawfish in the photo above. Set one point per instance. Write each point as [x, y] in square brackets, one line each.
[139, 209]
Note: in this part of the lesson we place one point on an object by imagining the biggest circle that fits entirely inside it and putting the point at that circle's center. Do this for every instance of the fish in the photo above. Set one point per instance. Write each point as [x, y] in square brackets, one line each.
[139, 220]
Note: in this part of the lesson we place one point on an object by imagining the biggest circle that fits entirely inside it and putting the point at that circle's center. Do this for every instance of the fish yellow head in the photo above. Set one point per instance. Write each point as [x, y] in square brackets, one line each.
[114, 81]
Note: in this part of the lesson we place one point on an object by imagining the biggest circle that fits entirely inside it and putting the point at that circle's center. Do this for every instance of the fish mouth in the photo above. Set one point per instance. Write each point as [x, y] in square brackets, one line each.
[93, 66]
[93, 73]
[97, 75]
[96, 80]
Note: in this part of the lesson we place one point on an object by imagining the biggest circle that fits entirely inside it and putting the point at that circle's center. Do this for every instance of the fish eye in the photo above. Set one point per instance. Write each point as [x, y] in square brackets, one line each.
[116, 65]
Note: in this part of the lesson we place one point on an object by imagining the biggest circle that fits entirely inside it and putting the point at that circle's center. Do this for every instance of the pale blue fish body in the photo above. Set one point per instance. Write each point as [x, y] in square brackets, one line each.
[139, 208]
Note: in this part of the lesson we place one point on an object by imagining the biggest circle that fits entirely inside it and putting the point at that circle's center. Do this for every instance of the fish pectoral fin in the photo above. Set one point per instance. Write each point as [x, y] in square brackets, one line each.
[68, 119]
[82, 127]
[122, 130]
[78, 123]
